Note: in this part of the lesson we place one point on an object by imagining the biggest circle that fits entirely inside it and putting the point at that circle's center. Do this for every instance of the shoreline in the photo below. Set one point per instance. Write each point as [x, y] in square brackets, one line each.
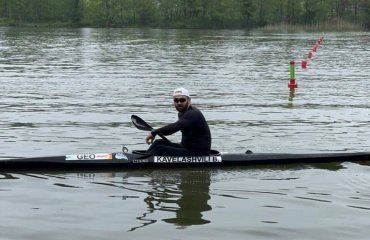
[327, 26]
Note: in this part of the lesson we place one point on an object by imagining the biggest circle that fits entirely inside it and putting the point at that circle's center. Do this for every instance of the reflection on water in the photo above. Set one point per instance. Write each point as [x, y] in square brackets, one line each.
[228, 199]
[192, 198]
[7, 176]
[184, 192]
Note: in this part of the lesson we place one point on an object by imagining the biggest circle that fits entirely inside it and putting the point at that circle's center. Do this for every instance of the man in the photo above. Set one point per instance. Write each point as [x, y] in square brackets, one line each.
[196, 136]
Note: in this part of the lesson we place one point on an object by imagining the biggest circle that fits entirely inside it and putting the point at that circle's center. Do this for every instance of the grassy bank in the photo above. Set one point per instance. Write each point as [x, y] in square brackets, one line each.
[329, 26]
[12, 23]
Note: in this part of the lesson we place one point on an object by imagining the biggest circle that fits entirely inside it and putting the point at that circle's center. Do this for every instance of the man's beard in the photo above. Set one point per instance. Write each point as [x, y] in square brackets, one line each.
[182, 108]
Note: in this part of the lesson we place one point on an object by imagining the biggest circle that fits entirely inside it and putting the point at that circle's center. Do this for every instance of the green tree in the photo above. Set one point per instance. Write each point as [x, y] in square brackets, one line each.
[247, 10]
[315, 11]
[4, 10]
[146, 11]
[18, 10]
[364, 13]
[186, 13]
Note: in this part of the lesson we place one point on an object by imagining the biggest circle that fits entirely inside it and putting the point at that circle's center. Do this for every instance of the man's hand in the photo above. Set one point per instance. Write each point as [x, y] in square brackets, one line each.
[149, 139]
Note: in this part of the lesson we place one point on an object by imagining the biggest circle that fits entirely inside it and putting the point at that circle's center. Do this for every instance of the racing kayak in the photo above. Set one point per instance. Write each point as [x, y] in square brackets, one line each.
[139, 159]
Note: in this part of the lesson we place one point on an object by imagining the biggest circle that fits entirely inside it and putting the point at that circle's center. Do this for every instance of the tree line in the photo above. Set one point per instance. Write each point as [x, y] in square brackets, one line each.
[185, 13]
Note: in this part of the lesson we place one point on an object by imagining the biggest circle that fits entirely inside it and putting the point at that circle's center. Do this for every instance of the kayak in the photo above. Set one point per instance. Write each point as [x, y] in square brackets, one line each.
[139, 159]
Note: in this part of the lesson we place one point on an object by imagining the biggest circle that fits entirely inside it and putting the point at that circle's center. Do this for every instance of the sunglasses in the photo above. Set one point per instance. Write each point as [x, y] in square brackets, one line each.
[181, 100]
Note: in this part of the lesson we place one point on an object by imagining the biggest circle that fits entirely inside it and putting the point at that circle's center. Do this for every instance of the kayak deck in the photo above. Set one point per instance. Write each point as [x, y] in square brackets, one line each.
[138, 159]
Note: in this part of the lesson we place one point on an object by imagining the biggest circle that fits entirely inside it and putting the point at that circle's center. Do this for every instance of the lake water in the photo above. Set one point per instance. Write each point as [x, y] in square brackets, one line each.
[67, 91]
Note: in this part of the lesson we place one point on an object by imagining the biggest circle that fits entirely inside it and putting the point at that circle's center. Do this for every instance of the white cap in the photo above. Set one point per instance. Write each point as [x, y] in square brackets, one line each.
[181, 92]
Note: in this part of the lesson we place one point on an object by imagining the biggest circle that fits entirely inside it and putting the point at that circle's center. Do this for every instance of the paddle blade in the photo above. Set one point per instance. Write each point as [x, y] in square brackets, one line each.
[140, 123]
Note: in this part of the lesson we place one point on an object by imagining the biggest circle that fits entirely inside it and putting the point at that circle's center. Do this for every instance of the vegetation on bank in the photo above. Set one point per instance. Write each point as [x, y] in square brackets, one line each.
[266, 14]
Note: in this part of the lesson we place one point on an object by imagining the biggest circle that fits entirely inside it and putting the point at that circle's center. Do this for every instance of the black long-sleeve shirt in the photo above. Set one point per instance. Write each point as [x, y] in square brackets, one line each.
[196, 136]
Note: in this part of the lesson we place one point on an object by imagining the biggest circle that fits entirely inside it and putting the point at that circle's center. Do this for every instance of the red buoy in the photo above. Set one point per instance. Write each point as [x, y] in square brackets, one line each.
[309, 55]
[304, 64]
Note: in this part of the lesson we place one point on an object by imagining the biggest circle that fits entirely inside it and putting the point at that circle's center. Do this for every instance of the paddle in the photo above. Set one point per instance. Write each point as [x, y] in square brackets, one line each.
[142, 125]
